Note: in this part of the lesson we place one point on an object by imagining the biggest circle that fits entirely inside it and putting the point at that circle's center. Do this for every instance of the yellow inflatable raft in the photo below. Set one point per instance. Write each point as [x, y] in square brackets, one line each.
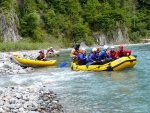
[32, 63]
[116, 65]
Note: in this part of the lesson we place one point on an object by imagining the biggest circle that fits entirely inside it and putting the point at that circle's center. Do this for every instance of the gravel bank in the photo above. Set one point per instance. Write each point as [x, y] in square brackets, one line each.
[29, 100]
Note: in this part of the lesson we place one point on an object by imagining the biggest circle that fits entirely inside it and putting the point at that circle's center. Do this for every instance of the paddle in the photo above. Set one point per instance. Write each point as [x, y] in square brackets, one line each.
[53, 54]
[106, 61]
[57, 55]
[63, 64]
[88, 64]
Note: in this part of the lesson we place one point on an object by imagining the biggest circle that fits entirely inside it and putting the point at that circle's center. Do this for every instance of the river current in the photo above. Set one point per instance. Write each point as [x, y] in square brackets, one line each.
[126, 91]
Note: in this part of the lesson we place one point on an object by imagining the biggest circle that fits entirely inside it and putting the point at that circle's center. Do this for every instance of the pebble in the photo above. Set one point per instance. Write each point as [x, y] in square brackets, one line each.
[29, 100]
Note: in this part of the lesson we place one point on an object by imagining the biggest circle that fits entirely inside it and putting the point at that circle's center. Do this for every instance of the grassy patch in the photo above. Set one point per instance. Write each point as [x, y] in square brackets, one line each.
[19, 46]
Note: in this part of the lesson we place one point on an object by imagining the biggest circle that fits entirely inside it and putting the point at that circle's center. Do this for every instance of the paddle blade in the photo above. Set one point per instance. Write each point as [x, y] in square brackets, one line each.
[57, 55]
[87, 65]
[63, 64]
[53, 54]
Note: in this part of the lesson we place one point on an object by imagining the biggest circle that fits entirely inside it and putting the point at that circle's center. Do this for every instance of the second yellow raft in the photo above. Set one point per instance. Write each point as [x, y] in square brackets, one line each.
[32, 63]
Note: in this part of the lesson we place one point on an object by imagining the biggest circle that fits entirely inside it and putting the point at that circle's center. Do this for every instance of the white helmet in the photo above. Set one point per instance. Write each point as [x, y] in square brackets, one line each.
[105, 47]
[51, 47]
[112, 47]
[83, 49]
[94, 49]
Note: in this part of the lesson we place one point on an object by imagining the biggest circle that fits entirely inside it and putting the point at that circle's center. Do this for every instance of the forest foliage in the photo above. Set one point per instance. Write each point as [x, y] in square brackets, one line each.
[78, 20]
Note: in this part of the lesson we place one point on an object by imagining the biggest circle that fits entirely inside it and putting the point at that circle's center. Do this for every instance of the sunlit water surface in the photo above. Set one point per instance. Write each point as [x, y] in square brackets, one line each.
[126, 91]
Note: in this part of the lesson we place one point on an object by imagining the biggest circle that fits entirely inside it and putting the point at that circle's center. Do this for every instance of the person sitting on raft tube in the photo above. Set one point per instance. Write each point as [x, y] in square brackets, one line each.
[41, 56]
[121, 52]
[82, 60]
[50, 50]
[103, 57]
[74, 53]
[112, 52]
[92, 57]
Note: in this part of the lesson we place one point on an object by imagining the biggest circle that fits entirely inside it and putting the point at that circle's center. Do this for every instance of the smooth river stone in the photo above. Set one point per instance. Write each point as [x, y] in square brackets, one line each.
[2, 110]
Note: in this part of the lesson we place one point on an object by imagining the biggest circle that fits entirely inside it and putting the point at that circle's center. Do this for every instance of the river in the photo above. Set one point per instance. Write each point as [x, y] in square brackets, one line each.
[125, 91]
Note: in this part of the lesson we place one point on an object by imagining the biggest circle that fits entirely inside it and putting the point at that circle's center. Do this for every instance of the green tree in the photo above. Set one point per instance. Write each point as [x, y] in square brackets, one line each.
[29, 23]
[79, 32]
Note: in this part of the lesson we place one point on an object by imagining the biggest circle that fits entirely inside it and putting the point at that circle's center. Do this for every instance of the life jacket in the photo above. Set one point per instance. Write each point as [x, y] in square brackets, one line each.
[41, 56]
[51, 50]
[76, 52]
[84, 55]
[105, 55]
[92, 56]
[120, 53]
[112, 54]
[89, 54]
[127, 52]
[95, 55]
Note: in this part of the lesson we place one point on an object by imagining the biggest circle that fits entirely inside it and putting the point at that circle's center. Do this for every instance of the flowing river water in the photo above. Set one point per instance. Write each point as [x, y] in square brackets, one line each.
[126, 91]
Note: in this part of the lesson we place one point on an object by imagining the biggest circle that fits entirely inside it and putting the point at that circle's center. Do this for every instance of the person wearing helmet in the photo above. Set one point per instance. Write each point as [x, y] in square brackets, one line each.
[121, 52]
[41, 56]
[77, 46]
[50, 52]
[112, 52]
[74, 52]
[92, 57]
[82, 60]
[103, 57]
[51, 49]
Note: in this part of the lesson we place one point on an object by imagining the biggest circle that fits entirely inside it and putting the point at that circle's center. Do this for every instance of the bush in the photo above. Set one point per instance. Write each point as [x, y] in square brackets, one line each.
[36, 37]
[89, 40]
[29, 24]
[79, 31]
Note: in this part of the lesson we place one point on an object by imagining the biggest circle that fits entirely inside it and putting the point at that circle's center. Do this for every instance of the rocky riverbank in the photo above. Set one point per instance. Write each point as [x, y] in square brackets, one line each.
[9, 67]
[29, 100]
[18, 99]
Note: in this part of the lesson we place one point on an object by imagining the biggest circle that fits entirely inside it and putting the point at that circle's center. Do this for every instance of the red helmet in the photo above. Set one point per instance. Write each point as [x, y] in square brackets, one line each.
[120, 47]
[98, 49]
